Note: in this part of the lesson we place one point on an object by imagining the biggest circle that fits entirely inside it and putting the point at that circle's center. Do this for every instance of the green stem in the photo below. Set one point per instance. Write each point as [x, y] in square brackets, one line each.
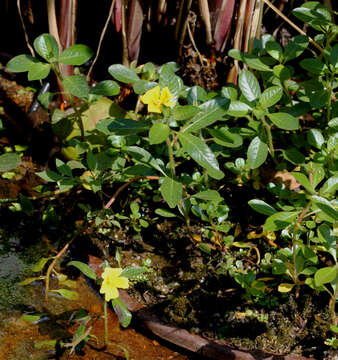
[70, 98]
[267, 128]
[171, 157]
[105, 323]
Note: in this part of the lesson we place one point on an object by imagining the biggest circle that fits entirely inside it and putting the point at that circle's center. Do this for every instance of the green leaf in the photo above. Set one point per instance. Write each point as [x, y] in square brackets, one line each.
[77, 85]
[209, 195]
[122, 312]
[282, 72]
[314, 14]
[285, 287]
[326, 207]
[254, 62]
[170, 79]
[47, 47]
[143, 156]
[295, 47]
[184, 112]
[158, 133]
[314, 66]
[40, 264]
[294, 156]
[67, 294]
[122, 127]
[330, 186]
[131, 272]
[76, 55]
[165, 213]
[105, 88]
[280, 220]
[201, 153]
[30, 280]
[45, 343]
[262, 207]
[49, 175]
[171, 191]
[21, 63]
[249, 85]
[328, 239]
[229, 92]
[84, 268]
[257, 153]
[211, 111]
[284, 121]
[333, 123]
[271, 96]
[38, 71]
[274, 50]
[325, 275]
[304, 181]
[226, 138]
[9, 161]
[141, 86]
[315, 138]
[333, 56]
[31, 318]
[238, 109]
[122, 73]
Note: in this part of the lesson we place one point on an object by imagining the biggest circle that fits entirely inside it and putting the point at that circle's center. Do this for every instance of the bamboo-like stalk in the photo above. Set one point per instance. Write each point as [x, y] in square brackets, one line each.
[205, 14]
[125, 58]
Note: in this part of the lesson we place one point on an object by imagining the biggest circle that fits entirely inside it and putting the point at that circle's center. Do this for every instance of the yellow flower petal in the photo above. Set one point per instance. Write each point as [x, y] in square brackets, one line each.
[111, 282]
[155, 108]
[167, 98]
[151, 96]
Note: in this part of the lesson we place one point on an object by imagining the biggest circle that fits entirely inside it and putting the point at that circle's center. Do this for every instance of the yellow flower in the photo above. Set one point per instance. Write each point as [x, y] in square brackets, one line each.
[111, 282]
[156, 97]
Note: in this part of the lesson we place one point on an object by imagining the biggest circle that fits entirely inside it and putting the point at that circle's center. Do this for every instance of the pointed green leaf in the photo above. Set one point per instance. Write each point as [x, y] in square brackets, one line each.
[170, 79]
[67, 294]
[165, 213]
[315, 138]
[304, 181]
[143, 156]
[209, 195]
[171, 191]
[262, 207]
[184, 112]
[226, 137]
[40, 264]
[158, 133]
[280, 220]
[314, 66]
[122, 312]
[330, 186]
[257, 153]
[122, 127]
[271, 96]
[47, 47]
[249, 85]
[106, 88]
[211, 111]
[21, 63]
[84, 268]
[334, 56]
[123, 74]
[131, 272]
[325, 275]
[328, 239]
[295, 47]
[141, 86]
[326, 207]
[285, 287]
[284, 121]
[201, 153]
[238, 109]
[76, 55]
[77, 85]
[274, 49]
